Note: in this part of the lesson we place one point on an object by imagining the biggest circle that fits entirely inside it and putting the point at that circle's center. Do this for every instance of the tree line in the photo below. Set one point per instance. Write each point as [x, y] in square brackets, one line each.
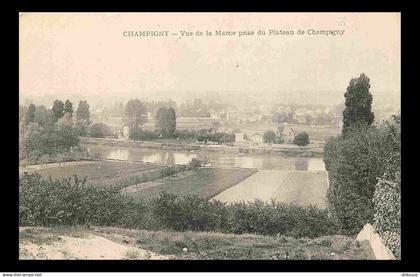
[51, 134]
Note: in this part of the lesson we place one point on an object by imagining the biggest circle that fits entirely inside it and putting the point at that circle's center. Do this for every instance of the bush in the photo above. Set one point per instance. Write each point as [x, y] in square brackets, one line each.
[387, 206]
[139, 134]
[301, 139]
[195, 164]
[269, 137]
[47, 202]
[100, 130]
[354, 163]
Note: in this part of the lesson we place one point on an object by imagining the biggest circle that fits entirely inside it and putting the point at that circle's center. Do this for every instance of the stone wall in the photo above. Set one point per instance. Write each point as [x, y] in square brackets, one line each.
[380, 251]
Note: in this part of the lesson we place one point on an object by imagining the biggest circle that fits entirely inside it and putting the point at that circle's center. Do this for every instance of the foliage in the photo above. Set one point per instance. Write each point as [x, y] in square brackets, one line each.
[354, 163]
[30, 114]
[134, 114]
[46, 136]
[82, 112]
[280, 117]
[358, 102]
[82, 127]
[100, 130]
[301, 139]
[166, 122]
[196, 163]
[205, 136]
[269, 137]
[44, 117]
[387, 207]
[48, 202]
[58, 110]
[68, 107]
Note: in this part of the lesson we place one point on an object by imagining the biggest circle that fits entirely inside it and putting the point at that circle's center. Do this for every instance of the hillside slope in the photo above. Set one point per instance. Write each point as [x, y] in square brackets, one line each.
[116, 243]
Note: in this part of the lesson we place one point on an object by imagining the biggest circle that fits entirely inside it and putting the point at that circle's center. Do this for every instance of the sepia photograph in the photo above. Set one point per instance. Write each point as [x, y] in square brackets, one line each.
[209, 136]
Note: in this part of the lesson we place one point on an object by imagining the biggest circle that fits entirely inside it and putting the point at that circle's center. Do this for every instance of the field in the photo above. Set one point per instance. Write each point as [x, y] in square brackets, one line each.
[143, 180]
[116, 243]
[285, 186]
[206, 182]
[103, 173]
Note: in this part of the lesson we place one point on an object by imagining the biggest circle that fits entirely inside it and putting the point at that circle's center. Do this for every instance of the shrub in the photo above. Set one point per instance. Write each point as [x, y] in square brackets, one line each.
[269, 137]
[196, 163]
[354, 163]
[301, 139]
[100, 130]
[139, 134]
[387, 206]
[47, 202]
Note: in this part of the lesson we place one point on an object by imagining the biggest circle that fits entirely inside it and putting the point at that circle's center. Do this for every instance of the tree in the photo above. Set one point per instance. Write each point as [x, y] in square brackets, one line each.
[166, 121]
[67, 135]
[68, 107]
[32, 141]
[358, 103]
[44, 117]
[354, 163]
[99, 130]
[301, 139]
[134, 114]
[30, 115]
[82, 127]
[269, 137]
[82, 112]
[58, 110]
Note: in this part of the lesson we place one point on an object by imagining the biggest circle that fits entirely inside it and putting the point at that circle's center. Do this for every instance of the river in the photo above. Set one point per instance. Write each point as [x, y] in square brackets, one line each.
[259, 161]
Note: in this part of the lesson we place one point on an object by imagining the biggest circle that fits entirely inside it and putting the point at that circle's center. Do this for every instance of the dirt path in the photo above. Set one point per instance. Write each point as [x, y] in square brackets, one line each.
[286, 186]
[91, 247]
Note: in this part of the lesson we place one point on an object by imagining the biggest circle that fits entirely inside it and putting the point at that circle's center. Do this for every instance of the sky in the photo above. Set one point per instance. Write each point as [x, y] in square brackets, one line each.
[87, 54]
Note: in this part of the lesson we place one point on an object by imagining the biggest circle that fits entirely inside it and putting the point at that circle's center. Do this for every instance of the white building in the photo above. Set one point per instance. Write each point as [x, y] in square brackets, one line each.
[240, 137]
[286, 132]
[257, 138]
[126, 132]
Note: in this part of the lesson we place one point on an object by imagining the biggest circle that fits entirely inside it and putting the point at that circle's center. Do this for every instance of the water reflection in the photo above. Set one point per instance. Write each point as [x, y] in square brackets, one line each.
[148, 156]
[269, 162]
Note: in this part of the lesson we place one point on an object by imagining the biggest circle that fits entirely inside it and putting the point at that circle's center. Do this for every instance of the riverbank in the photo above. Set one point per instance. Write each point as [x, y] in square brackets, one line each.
[277, 149]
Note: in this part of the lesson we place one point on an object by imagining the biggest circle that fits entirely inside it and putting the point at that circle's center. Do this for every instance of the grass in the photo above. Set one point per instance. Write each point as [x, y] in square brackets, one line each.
[299, 187]
[106, 173]
[218, 246]
[206, 182]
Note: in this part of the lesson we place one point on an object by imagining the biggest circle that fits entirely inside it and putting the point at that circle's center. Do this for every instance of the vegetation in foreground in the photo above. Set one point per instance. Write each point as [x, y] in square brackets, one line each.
[69, 202]
[364, 168]
[208, 245]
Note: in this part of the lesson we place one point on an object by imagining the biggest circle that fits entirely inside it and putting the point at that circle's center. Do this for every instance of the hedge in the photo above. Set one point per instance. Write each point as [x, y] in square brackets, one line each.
[387, 217]
[354, 163]
[48, 202]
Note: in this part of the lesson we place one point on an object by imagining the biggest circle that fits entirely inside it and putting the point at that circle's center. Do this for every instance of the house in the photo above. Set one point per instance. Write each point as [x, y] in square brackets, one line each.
[299, 117]
[240, 137]
[286, 132]
[257, 138]
[126, 132]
